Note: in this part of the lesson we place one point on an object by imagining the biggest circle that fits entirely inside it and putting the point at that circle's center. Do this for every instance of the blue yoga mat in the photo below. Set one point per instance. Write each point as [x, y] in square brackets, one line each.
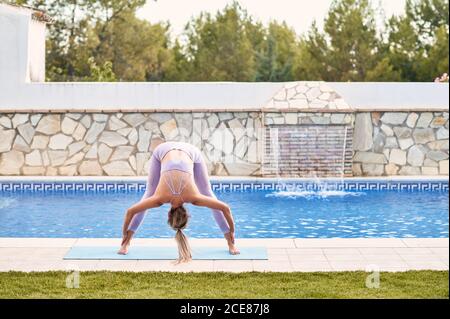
[163, 253]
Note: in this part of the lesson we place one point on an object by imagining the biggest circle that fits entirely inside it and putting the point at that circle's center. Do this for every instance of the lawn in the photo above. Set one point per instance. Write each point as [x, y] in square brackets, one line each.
[103, 284]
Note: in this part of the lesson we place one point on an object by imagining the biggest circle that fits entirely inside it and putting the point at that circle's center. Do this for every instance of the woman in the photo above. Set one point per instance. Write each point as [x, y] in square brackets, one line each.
[178, 175]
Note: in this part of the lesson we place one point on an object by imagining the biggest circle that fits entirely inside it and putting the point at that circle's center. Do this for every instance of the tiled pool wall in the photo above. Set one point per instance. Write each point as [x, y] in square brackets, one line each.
[89, 185]
[234, 143]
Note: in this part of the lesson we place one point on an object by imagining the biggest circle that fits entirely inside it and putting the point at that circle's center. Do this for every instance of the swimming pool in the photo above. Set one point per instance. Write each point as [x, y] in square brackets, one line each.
[355, 208]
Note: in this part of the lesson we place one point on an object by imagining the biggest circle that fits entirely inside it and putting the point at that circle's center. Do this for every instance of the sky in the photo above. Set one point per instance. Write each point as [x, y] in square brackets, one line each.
[298, 14]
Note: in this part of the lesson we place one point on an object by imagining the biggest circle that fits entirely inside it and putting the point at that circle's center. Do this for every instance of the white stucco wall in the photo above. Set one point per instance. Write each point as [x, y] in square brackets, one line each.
[391, 96]
[141, 96]
[14, 28]
[153, 96]
[22, 49]
[36, 52]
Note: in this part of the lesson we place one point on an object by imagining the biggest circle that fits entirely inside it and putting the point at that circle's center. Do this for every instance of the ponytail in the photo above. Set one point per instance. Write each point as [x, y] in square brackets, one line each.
[184, 250]
[177, 219]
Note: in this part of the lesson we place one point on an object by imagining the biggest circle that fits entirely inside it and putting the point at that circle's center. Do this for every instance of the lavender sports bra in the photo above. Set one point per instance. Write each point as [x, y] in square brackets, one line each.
[177, 165]
[176, 188]
[180, 165]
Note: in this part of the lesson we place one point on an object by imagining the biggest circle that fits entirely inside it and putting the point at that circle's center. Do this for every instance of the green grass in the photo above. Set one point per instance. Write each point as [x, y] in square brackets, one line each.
[103, 284]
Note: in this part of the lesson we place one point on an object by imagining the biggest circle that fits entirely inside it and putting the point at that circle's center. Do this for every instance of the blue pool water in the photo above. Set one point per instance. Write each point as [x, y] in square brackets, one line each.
[258, 214]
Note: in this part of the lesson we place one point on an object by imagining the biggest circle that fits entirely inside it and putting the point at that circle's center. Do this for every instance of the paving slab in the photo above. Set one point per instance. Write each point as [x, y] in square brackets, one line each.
[284, 255]
[426, 242]
[350, 242]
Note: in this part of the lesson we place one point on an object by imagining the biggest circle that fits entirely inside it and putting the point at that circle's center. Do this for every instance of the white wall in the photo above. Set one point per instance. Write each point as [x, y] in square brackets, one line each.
[151, 96]
[22, 47]
[36, 52]
[393, 96]
[137, 96]
[14, 26]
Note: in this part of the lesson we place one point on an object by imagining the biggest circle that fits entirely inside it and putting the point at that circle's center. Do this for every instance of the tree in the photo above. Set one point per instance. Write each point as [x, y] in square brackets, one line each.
[276, 61]
[419, 39]
[179, 68]
[436, 62]
[101, 73]
[138, 50]
[219, 48]
[109, 32]
[383, 71]
[104, 40]
[65, 35]
[349, 48]
[427, 16]
[312, 58]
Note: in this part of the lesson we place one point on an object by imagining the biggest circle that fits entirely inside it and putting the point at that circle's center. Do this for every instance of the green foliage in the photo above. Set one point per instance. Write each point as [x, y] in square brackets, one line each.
[231, 46]
[349, 48]
[137, 49]
[418, 41]
[276, 61]
[219, 48]
[101, 73]
[383, 71]
[436, 62]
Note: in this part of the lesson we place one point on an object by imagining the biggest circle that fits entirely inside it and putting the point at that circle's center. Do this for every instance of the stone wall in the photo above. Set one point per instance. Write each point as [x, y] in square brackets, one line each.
[121, 143]
[233, 143]
[401, 143]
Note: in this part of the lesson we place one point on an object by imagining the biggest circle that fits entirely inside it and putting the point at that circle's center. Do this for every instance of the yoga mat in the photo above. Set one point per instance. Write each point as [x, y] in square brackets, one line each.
[164, 253]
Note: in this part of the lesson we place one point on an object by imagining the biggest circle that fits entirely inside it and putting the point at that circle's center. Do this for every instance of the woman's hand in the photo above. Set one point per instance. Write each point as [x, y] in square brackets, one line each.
[141, 206]
[126, 223]
[126, 234]
[230, 220]
[124, 237]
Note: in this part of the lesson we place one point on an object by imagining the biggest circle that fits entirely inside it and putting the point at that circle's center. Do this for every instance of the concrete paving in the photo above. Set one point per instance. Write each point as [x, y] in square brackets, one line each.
[284, 255]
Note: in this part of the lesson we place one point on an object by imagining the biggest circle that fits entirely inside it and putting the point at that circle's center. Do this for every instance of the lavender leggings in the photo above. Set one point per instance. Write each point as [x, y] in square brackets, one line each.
[200, 177]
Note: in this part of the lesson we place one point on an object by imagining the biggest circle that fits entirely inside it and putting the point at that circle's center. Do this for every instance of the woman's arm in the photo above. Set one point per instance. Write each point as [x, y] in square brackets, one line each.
[213, 203]
[144, 204]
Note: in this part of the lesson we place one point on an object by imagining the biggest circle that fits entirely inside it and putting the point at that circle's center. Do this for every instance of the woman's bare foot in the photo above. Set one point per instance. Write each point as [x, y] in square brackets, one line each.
[123, 249]
[233, 249]
[125, 243]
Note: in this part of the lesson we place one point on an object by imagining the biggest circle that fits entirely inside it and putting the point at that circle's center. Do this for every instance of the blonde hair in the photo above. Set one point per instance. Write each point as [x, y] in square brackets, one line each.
[177, 219]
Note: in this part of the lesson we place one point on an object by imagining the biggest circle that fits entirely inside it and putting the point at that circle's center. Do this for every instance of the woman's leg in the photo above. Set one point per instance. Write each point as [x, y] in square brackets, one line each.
[152, 182]
[204, 186]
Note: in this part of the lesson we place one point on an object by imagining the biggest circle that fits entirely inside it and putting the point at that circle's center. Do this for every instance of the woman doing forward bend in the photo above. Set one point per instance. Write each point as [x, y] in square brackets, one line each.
[178, 175]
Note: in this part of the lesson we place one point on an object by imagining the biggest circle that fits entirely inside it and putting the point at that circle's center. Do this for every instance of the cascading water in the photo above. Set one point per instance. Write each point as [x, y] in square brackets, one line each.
[316, 143]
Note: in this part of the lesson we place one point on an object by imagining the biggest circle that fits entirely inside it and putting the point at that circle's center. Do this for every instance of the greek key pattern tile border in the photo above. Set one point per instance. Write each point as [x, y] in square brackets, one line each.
[224, 186]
